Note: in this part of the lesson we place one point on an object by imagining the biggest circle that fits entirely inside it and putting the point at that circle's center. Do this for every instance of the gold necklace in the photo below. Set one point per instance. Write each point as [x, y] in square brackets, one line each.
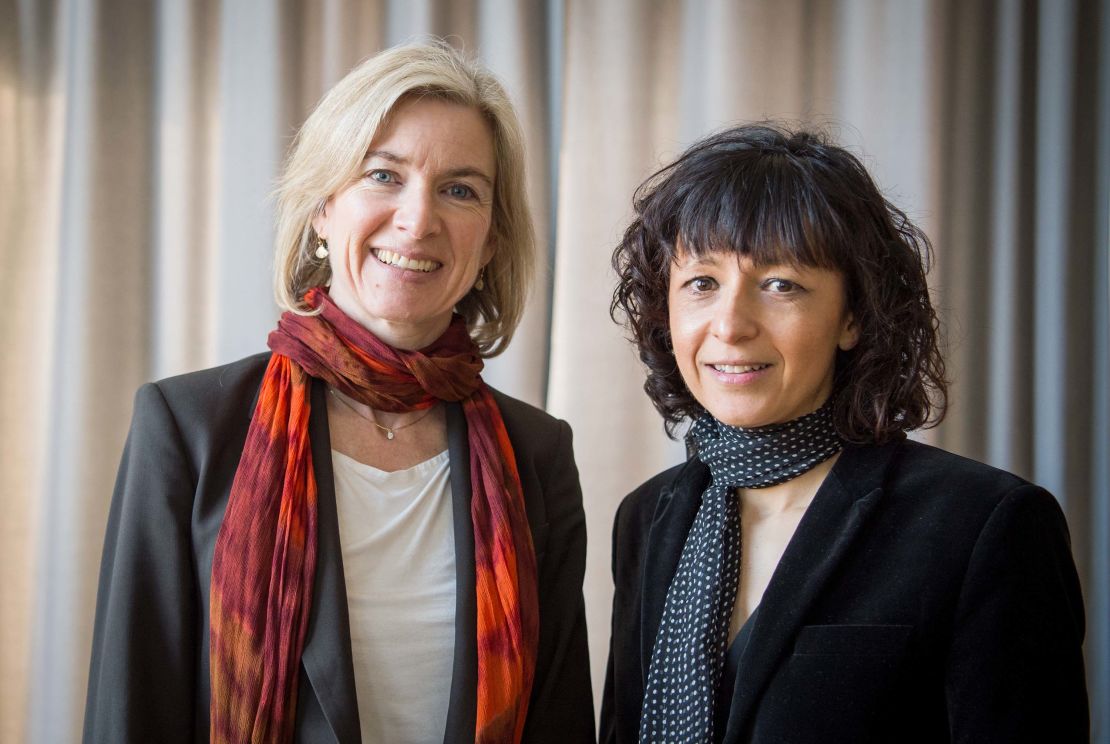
[389, 432]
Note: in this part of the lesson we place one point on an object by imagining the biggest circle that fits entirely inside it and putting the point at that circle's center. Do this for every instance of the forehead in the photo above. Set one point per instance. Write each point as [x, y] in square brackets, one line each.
[746, 257]
[434, 131]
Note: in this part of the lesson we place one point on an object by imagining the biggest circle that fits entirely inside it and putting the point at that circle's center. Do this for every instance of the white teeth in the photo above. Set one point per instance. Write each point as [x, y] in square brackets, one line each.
[736, 369]
[402, 262]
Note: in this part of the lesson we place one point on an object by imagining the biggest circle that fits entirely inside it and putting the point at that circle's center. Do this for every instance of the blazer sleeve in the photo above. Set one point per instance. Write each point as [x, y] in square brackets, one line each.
[142, 679]
[1015, 670]
[561, 709]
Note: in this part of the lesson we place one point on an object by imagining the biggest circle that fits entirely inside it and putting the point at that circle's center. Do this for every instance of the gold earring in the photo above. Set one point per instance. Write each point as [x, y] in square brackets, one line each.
[481, 283]
[321, 248]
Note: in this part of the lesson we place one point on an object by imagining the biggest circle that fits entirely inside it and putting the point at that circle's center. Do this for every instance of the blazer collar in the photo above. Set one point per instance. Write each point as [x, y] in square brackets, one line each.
[327, 650]
[830, 525]
[462, 709]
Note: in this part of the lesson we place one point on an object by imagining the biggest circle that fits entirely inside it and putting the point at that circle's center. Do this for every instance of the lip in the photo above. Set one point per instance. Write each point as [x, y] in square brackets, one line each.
[414, 262]
[738, 372]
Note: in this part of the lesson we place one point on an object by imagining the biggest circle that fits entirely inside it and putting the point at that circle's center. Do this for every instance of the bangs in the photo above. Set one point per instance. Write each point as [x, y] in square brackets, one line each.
[767, 207]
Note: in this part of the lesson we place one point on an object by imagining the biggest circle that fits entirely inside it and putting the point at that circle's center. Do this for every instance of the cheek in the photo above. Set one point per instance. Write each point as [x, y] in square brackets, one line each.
[488, 247]
[815, 349]
[479, 233]
[360, 216]
[683, 346]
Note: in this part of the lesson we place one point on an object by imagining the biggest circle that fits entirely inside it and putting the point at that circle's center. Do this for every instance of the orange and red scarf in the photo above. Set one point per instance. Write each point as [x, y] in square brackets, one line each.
[265, 556]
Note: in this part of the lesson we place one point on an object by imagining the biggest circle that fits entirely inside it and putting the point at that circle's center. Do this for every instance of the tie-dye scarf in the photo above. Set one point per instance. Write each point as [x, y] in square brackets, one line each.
[265, 554]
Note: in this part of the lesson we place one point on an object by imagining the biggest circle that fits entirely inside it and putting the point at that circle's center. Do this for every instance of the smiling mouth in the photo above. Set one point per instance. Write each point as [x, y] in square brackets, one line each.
[391, 258]
[738, 369]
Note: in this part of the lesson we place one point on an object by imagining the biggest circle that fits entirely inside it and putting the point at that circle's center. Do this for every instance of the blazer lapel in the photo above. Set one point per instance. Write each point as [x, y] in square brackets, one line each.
[674, 514]
[830, 525]
[327, 650]
[462, 709]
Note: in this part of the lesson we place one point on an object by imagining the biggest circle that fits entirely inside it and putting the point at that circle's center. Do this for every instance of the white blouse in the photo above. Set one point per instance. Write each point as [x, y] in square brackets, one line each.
[398, 546]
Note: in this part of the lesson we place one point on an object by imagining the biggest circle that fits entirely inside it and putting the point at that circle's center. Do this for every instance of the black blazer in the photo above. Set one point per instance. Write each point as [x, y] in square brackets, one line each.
[149, 676]
[924, 598]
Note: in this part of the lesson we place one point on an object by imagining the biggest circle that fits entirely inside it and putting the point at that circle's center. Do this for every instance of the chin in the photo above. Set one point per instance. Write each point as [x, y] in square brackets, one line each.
[741, 420]
[755, 418]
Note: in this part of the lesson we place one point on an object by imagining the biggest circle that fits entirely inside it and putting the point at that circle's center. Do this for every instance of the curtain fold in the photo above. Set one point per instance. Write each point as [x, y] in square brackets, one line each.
[139, 144]
[621, 78]
[30, 167]
[1022, 244]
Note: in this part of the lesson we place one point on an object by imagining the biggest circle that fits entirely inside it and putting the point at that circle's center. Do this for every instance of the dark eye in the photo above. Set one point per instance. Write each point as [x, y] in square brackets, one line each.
[702, 284]
[381, 176]
[780, 286]
[460, 191]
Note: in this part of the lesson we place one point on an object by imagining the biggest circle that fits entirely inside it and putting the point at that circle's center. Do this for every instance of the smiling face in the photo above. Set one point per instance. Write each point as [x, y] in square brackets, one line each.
[407, 237]
[756, 345]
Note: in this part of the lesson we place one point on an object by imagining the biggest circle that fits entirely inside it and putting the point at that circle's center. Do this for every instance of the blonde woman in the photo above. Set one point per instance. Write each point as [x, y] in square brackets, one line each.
[352, 537]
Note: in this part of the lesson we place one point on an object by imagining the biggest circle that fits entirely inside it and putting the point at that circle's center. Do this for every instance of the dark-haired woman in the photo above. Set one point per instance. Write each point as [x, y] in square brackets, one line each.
[809, 574]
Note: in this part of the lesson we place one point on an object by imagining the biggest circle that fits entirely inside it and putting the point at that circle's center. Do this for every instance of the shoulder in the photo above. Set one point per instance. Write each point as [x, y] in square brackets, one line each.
[936, 491]
[648, 492]
[637, 508]
[206, 397]
[960, 483]
[531, 428]
[918, 462]
[220, 380]
[544, 451]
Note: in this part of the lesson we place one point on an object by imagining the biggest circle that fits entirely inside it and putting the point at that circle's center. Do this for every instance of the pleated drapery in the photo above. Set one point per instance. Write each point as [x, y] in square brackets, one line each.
[139, 143]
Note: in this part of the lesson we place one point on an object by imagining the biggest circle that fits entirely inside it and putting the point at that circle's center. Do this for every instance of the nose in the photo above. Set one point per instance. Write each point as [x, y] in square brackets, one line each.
[735, 317]
[416, 213]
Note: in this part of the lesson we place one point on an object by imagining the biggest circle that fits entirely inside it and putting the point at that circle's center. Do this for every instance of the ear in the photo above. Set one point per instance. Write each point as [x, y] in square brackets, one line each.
[320, 220]
[849, 333]
[489, 249]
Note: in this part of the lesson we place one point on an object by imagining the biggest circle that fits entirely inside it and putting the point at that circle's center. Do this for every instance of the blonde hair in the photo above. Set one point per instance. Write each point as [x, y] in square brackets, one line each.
[329, 150]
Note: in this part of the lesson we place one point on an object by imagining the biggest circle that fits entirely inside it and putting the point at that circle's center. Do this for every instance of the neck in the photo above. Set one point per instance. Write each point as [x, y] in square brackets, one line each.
[793, 495]
[405, 336]
[398, 421]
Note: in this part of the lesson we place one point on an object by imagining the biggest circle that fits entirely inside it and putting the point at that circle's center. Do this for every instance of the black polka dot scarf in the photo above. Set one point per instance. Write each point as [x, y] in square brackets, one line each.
[689, 651]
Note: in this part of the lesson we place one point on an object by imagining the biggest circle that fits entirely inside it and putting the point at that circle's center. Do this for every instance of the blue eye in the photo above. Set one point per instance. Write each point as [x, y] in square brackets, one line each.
[381, 176]
[460, 191]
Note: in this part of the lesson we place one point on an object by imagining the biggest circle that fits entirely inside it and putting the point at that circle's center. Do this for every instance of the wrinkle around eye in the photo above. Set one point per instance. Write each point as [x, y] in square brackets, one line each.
[470, 191]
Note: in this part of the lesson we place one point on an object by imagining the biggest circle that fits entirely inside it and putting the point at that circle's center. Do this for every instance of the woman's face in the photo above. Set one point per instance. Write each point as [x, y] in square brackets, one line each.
[756, 345]
[407, 237]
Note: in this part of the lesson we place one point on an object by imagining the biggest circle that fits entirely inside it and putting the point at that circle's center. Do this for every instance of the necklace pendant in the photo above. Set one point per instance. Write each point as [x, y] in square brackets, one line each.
[389, 434]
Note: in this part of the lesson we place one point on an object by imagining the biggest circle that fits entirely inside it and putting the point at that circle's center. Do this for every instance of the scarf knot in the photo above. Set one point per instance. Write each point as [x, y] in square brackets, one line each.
[764, 456]
[356, 362]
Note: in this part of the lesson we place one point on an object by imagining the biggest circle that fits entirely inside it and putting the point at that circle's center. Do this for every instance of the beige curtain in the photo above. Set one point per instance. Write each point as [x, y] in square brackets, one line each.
[139, 143]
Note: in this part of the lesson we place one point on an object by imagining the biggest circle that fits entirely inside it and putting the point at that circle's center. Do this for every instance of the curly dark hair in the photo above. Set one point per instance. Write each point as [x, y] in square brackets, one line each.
[778, 196]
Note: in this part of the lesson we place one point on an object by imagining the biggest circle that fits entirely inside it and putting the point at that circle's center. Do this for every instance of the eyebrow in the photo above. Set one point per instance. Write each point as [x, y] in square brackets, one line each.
[465, 171]
[703, 259]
